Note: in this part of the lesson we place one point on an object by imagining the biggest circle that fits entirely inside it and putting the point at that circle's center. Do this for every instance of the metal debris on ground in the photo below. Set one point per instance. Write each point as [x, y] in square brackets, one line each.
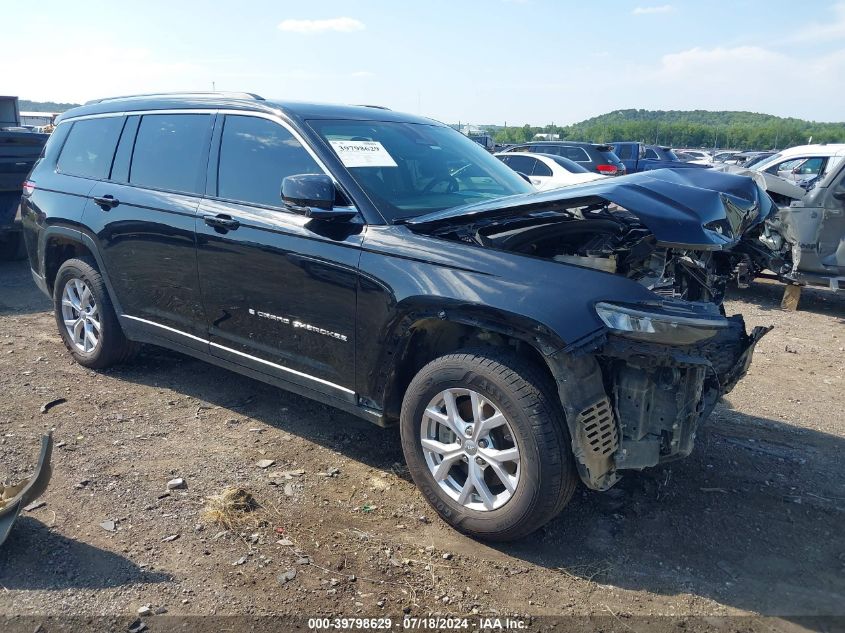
[49, 405]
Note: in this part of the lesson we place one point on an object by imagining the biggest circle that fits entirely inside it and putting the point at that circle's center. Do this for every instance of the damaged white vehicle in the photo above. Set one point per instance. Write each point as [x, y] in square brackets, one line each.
[803, 242]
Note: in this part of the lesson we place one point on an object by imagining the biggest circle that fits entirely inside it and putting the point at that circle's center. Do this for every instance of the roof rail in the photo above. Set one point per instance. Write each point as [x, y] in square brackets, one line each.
[368, 105]
[234, 95]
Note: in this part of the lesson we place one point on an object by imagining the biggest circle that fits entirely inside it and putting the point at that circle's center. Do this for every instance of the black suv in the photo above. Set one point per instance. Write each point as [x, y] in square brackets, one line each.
[597, 158]
[389, 266]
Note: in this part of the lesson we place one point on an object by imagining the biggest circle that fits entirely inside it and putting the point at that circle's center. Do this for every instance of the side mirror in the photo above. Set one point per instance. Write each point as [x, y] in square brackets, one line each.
[839, 195]
[313, 196]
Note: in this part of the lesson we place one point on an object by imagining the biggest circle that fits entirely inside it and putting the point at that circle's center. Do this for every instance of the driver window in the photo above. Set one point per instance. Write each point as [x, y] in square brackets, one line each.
[255, 156]
[811, 166]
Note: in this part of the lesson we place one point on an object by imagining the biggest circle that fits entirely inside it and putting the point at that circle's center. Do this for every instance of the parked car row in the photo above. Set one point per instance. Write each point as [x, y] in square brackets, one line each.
[803, 243]
[548, 171]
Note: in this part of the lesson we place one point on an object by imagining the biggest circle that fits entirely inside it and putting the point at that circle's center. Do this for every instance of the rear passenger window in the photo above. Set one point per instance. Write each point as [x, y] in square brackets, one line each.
[541, 169]
[89, 148]
[170, 152]
[651, 154]
[255, 156]
[522, 164]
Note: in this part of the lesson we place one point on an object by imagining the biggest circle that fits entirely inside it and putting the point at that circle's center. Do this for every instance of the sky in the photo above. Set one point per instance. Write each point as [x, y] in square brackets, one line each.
[475, 61]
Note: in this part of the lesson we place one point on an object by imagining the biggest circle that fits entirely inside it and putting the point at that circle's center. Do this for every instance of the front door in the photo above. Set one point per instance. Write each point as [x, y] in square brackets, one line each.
[279, 289]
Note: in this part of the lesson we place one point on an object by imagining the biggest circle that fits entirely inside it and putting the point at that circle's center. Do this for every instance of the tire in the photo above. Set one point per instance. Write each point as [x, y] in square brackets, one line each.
[112, 347]
[545, 478]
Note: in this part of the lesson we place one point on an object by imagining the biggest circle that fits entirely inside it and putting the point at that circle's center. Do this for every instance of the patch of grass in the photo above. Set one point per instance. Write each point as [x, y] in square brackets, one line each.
[233, 509]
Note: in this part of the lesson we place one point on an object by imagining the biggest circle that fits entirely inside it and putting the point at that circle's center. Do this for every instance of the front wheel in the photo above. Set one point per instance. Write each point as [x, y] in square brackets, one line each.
[87, 323]
[485, 441]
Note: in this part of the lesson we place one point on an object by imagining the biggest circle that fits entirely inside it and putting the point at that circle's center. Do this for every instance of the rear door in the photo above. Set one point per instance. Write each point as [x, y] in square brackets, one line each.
[279, 289]
[143, 217]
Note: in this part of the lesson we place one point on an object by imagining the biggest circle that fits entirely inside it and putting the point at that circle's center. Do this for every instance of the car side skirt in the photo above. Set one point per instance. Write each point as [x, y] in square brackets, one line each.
[144, 331]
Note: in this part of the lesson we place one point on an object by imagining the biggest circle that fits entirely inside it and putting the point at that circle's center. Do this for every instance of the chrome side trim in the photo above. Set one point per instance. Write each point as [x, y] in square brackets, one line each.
[164, 327]
[244, 355]
[283, 368]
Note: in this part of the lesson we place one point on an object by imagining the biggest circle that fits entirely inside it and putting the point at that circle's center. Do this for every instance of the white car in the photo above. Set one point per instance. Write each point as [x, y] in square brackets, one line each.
[547, 171]
[803, 162]
[698, 157]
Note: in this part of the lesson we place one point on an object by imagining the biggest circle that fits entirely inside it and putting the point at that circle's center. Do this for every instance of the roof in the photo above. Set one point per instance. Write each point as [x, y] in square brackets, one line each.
[240, 101]
[817, 149]
[553, 143]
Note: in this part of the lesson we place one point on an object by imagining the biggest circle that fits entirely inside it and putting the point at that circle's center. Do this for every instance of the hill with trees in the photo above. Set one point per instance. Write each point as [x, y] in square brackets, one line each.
[44, 106]
[685, 128]
[678, 128]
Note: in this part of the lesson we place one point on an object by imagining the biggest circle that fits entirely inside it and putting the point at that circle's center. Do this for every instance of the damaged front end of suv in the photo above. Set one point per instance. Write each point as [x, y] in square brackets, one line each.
[635, 390]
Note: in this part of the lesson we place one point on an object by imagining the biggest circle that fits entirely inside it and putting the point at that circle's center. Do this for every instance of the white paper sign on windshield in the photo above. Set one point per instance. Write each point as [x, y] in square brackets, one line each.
[363, 154]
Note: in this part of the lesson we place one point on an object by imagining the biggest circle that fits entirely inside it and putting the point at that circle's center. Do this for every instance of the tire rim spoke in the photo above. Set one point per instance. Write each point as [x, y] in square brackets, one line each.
[500, 457]
[80, 315]
[469, 448]
[488, 424]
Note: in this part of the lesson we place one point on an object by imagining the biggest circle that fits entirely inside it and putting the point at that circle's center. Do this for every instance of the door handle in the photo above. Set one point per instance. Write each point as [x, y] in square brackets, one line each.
[106, 202]
[221, 222]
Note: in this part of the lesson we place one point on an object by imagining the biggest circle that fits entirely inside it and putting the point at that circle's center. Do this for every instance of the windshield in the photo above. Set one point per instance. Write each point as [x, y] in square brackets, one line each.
[755, 160]
[410, 169]
[766, 162]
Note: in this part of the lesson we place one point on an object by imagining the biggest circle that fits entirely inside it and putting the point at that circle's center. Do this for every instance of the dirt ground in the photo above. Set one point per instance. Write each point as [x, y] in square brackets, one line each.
[752, 522]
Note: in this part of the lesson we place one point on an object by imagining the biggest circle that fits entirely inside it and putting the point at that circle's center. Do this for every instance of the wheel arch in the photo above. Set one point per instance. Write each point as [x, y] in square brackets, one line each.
[59, 244]
[421, 336]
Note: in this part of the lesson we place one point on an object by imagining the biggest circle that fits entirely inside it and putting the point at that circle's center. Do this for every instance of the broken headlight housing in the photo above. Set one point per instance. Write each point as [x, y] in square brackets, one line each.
[658, 326]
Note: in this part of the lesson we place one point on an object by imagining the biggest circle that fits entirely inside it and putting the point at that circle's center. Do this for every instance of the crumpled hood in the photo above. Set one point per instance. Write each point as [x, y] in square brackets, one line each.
[690, 207]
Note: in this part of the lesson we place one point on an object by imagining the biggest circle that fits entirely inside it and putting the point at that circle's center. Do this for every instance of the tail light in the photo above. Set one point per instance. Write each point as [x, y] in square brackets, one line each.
[607, 170]
[28, 187]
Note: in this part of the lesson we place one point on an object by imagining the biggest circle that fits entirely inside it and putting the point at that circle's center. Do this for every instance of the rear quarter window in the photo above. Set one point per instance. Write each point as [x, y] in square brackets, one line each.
[89, 148]
[541, 169]
[573, 152]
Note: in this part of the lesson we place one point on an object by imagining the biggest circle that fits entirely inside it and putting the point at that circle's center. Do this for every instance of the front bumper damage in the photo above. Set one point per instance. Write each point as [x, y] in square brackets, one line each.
[632, 404]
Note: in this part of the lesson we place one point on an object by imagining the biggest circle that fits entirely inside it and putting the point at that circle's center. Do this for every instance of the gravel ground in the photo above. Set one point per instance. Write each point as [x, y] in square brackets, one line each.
[751, 523]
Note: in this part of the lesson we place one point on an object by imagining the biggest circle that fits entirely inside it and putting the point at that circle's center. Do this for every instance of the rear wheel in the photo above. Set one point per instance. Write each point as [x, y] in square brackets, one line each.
[84, 314]
[484, 438]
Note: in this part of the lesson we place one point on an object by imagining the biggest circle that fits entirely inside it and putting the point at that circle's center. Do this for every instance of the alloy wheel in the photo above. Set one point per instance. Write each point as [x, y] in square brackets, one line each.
[470, 449]
[81, 315]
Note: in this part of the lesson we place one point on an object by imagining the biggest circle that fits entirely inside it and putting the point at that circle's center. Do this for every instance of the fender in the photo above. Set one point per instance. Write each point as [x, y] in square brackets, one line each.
[416, 316]
[85, 239]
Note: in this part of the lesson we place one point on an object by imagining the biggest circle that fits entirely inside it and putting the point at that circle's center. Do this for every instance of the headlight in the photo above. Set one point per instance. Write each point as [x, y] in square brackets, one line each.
[658, 327]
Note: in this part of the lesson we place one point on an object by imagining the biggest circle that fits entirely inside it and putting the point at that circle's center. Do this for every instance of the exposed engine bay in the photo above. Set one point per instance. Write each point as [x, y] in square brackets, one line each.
[636, 392]
[610, 239]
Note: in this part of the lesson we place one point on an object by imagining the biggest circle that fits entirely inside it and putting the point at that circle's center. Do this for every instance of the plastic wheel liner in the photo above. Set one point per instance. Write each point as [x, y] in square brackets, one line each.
[16, 497]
